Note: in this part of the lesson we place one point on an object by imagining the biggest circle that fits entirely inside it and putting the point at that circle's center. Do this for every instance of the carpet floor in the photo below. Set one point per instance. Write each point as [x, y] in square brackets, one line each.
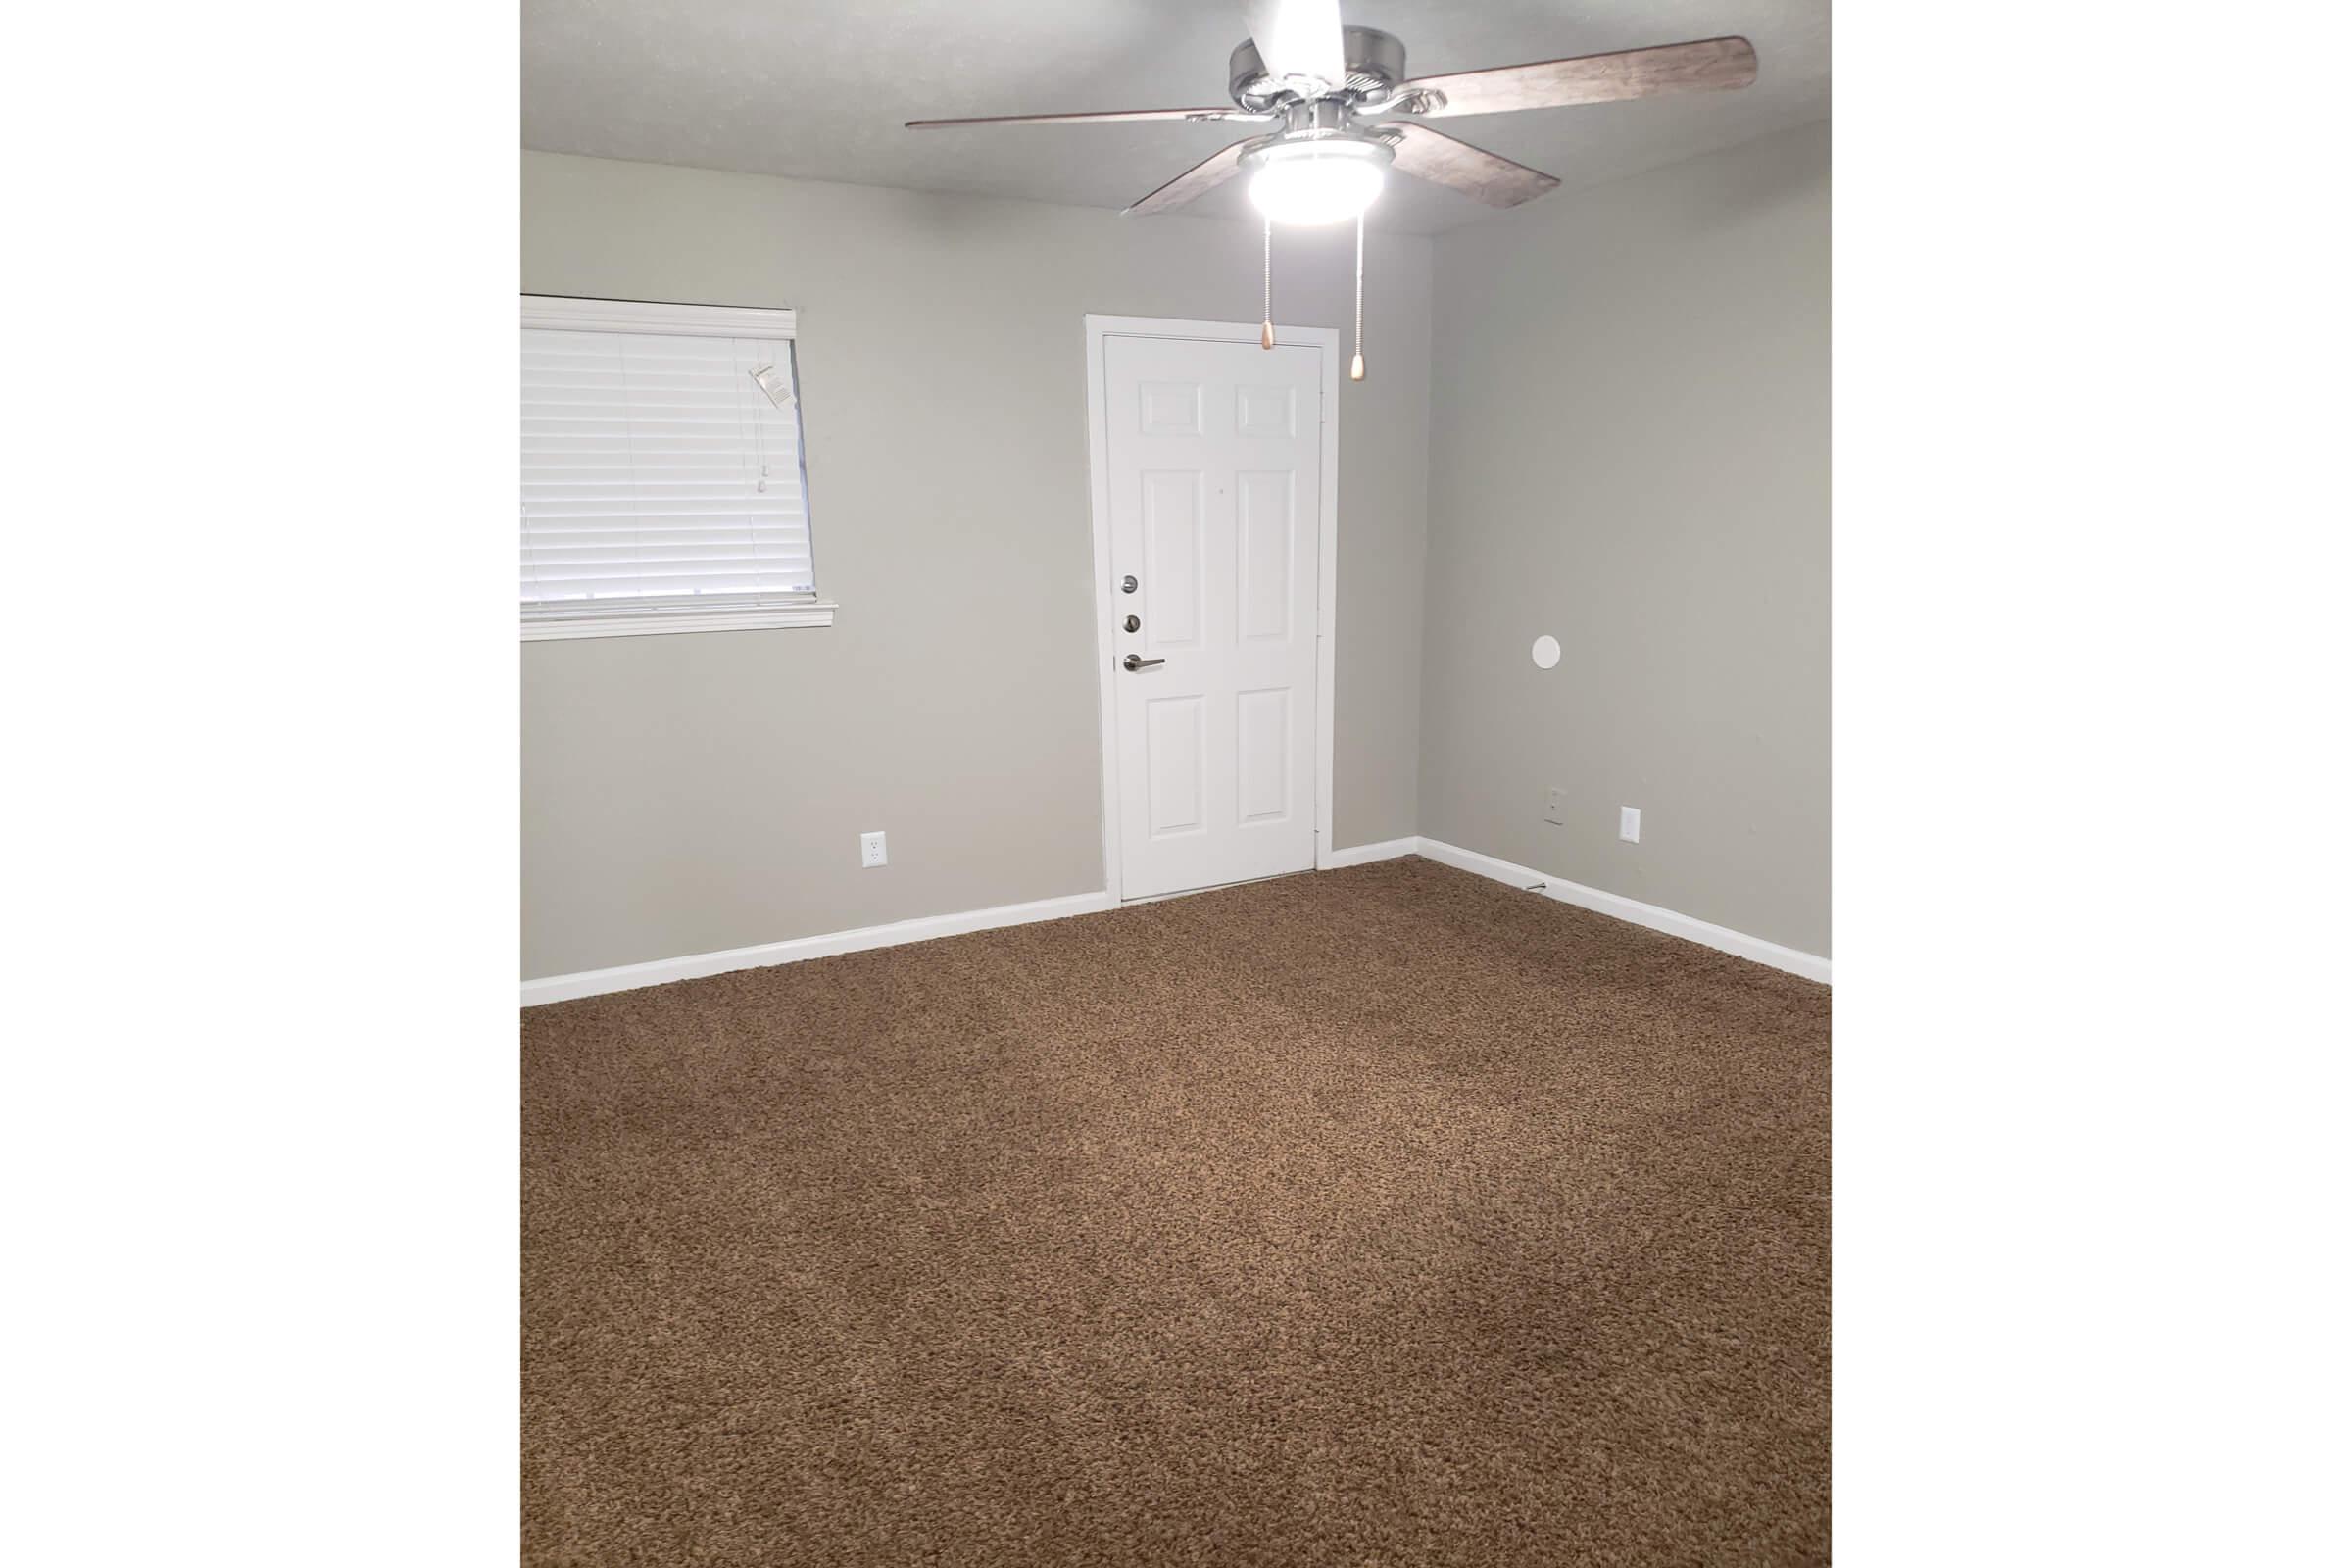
[1381, 1216]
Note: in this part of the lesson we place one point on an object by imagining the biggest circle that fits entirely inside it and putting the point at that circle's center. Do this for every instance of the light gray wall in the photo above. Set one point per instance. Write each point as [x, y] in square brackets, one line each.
[1630, 450]
[683, 793]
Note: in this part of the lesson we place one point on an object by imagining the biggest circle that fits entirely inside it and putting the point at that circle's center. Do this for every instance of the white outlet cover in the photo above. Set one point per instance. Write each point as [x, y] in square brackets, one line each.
[873, 849]
[1545, 653]
[1629, 823]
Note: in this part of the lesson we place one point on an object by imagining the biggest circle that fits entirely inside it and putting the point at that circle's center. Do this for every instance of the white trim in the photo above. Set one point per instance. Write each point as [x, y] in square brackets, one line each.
[563, 313]
[693, 966]
[1617, 906]
[1098, 468]
[1326, 341]
[1327, 594]
[624, 623]
[1366, 853]
[662, 971]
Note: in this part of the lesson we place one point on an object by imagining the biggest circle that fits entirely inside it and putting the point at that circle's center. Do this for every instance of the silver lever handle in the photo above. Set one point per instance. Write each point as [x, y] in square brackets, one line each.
[1139, 661]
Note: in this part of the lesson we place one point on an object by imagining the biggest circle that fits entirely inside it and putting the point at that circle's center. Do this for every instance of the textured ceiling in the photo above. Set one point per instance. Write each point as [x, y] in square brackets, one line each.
[819, 89]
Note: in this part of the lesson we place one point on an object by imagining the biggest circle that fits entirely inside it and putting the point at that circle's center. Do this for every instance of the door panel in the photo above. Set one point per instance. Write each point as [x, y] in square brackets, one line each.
[1269, 543]
[1172, 564]
[1263, 768]
[1172, 751]
[1215, 490]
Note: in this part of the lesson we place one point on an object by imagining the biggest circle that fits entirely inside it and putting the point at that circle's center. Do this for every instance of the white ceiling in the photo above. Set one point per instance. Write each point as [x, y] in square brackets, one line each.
[819, 89]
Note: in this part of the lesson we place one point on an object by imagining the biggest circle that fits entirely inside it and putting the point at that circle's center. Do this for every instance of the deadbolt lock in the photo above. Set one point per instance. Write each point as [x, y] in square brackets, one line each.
[1127, 584]
[1134, 623]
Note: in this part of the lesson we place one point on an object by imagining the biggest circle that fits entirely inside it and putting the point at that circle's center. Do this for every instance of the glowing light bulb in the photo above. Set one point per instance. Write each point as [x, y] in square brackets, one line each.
[1326, 181]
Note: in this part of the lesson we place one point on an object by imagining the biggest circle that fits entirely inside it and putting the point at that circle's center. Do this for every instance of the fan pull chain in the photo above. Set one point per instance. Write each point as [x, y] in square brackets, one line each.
[1355, 367]
[1265, 333]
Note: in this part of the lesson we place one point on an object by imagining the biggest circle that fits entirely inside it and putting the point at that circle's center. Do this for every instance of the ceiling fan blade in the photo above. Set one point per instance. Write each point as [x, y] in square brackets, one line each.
[1708, 65]
[1203, 177]
[1300, 39]
[1438, 158]
[1114, 116]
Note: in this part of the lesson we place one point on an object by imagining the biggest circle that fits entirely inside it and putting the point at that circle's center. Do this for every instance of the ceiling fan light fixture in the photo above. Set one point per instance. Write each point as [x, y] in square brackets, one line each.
[1326, 180]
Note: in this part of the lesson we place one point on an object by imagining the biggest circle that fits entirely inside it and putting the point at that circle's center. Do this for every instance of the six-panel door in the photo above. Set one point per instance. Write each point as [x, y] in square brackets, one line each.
[1214, 452]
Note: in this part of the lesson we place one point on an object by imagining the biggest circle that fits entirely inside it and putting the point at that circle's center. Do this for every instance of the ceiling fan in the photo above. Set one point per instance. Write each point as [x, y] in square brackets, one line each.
[1342, 112]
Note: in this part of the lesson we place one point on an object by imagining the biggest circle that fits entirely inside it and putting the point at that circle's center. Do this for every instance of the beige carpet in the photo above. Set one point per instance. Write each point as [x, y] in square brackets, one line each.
[1382, 1216]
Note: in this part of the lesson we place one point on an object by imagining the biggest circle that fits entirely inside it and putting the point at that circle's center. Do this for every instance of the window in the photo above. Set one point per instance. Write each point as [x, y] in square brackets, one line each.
[661, 480]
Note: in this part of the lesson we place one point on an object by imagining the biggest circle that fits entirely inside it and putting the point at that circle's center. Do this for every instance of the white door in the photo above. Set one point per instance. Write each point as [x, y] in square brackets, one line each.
[1215, 478]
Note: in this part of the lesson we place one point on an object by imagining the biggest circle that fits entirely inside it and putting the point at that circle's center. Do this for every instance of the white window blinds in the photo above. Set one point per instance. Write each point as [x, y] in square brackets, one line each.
[661, 478]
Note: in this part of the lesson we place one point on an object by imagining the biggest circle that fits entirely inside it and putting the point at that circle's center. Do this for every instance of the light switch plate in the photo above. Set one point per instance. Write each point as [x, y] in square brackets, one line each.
[1629, 823]
[1556, 805]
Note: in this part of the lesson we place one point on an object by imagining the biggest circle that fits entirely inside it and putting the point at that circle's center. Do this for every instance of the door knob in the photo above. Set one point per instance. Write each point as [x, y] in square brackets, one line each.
[1139, 661]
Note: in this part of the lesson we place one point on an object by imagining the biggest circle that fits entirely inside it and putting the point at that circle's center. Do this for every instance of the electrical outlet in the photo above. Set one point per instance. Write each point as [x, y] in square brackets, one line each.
[1629, 823]
[1556, 805]
[873, 849]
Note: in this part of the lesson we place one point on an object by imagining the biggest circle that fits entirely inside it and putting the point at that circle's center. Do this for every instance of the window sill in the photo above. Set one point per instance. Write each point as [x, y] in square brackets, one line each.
[645, 625]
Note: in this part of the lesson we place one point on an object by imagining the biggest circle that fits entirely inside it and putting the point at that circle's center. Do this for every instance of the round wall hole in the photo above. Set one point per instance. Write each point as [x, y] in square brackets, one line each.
[1545, 653]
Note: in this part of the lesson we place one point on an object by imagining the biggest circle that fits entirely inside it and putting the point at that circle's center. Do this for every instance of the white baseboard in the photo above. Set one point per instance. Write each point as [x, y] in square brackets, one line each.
[1616, 905]
[694, 965]
[1366, 853]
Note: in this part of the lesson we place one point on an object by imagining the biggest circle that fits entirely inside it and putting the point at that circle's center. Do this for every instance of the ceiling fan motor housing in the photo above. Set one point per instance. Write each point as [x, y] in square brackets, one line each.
[1375, 64]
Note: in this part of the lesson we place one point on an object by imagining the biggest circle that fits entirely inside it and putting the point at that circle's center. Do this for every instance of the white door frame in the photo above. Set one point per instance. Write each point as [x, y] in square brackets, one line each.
[1326, 341]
